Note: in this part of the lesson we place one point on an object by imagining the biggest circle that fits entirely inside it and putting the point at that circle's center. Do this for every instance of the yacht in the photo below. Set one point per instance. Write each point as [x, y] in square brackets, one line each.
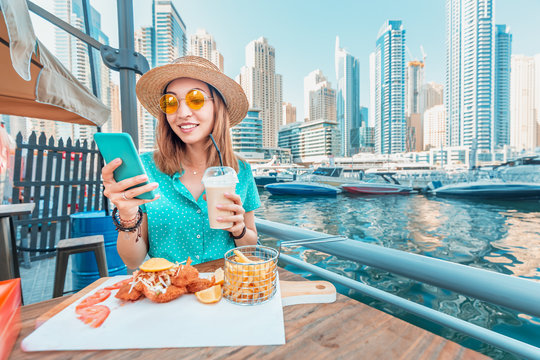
[389, 185]
[490, 189]
[334, 176]
[263, 178]
[302, 188]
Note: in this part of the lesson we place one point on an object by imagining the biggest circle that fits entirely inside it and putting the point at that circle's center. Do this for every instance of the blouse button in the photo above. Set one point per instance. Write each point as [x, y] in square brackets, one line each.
[198, 236]
[199, 211]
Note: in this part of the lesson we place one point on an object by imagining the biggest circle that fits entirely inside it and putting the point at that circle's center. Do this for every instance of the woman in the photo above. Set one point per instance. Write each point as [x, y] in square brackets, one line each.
[191, 99]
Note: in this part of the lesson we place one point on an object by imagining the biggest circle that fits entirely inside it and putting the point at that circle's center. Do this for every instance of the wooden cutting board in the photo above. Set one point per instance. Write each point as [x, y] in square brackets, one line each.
[292, 293]
[306, 292]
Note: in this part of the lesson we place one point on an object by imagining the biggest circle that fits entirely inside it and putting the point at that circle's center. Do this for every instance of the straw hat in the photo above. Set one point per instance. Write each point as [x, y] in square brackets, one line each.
[152, 84]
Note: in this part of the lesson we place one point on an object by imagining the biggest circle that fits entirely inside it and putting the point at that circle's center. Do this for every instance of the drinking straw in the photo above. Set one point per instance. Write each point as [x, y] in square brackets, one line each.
[217, 149]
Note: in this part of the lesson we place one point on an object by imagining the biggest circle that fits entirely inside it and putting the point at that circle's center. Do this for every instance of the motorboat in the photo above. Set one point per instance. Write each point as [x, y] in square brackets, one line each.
[263, 178]
[388, 186]
[490, 189]
[303, 188]
[329, 175]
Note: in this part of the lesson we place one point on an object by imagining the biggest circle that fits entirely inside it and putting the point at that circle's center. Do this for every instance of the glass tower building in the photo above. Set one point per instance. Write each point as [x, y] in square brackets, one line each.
[390, 122]
[309, 140]
[469, 73]
[347, 96]
[146, 122]
[160, 43]
[247, 137]
[202, 44]
[503, 60]
[169, 36]
[414, 80]
[263, 87]
[73, 53]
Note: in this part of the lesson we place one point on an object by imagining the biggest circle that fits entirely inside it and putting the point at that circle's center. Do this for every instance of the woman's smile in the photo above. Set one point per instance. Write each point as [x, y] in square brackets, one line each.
[187, 128]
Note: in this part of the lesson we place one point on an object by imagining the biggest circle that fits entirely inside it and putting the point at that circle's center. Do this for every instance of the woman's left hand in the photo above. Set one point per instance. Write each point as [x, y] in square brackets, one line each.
[238, 214]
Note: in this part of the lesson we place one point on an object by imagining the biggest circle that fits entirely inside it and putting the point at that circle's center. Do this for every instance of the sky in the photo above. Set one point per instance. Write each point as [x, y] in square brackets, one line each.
[304, 32]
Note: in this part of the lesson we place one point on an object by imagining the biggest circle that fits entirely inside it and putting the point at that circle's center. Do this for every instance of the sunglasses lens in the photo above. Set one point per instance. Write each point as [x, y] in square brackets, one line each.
[195, 99]
[168, 104]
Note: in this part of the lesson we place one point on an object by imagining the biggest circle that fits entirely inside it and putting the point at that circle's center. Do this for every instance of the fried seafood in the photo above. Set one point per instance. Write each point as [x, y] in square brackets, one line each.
[128, 292]
[199, 284]
[162, 296]
[161, 282]
[184, 275]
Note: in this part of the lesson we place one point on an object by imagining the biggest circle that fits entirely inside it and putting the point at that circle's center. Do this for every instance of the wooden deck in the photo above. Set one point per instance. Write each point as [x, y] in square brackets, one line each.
[346, 329]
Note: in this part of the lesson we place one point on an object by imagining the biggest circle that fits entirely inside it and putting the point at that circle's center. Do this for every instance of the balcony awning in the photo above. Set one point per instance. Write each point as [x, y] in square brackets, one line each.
[33, 83]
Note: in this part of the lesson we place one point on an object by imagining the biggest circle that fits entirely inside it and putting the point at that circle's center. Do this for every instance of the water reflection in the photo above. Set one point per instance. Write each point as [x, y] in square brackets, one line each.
[498, 236]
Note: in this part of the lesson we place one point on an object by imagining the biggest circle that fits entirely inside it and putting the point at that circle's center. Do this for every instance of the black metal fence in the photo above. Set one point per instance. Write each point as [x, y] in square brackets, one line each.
[60, 179]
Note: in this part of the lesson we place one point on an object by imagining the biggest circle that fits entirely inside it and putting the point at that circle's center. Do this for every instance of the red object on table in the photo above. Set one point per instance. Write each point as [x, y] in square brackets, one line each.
[10, 315]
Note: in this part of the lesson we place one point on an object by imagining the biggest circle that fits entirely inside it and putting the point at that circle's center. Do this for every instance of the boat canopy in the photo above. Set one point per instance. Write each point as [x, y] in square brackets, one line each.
[331, 171]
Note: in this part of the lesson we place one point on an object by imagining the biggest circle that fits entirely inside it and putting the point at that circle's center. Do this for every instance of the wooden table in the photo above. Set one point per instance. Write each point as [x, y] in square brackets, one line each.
[346, 329]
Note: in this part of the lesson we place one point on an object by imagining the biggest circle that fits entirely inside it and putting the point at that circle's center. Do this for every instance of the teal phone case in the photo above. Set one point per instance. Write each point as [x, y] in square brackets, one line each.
[120, 145]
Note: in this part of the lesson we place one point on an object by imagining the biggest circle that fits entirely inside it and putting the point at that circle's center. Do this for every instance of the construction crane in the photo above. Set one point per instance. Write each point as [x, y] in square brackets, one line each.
[411, 57]
[413, 60]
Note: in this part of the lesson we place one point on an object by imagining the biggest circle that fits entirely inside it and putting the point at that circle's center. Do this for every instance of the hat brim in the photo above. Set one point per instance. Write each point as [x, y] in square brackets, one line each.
[151, 86]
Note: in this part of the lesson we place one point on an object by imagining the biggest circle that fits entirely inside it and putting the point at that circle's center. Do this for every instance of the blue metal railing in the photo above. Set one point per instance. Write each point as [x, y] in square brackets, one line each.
[500, 289]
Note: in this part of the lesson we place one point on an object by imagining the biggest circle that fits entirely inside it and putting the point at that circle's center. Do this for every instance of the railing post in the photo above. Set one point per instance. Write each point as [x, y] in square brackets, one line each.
[127, 76]
[91, 59]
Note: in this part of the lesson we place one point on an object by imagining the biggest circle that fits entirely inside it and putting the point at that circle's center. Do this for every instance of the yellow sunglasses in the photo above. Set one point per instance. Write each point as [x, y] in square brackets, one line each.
[195, 99]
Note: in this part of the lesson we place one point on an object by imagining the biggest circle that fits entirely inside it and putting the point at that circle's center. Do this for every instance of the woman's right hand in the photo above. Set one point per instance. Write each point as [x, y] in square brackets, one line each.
[117, 192]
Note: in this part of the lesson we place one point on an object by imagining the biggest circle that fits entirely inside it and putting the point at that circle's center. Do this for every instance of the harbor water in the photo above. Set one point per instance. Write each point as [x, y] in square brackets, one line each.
[501, 236]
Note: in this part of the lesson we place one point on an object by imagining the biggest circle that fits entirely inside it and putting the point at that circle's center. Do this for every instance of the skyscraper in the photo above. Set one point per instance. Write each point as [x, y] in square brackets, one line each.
[523, 125]
[160, 43]
[434, 127]
[366, 131]
[310, 84]
[390, 123]
[73, 53]
[469, 73]
[431, 95]
[415, 133]
[414, 79]
[347, 96]
[247, 136]
[279, 95]
[371, 121]
[169, 33]
[501, 112]
[289, 113]
[262, 86]
[321, 98]
[146, 122]
[116, 114]
[143, 42]
[202, 44]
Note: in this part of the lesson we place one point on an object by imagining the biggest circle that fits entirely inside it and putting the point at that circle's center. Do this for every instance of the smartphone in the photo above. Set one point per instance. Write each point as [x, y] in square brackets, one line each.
[120, 145]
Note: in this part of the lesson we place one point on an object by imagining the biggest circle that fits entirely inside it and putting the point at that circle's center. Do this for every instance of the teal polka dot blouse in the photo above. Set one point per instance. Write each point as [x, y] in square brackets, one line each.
[178, 224]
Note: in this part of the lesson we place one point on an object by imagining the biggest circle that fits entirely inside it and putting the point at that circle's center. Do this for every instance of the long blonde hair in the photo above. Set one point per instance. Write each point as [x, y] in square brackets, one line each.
[171, 150]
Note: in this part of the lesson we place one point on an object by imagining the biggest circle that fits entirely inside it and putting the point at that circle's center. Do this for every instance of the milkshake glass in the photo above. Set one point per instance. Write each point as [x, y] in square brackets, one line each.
[217, 181]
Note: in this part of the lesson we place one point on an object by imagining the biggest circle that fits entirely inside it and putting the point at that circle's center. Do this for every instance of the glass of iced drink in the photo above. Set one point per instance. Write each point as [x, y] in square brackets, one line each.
[217, 181]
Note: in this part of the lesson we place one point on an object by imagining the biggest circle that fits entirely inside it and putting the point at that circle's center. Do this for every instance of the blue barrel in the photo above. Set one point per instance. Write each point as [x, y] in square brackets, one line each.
[84, 268]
